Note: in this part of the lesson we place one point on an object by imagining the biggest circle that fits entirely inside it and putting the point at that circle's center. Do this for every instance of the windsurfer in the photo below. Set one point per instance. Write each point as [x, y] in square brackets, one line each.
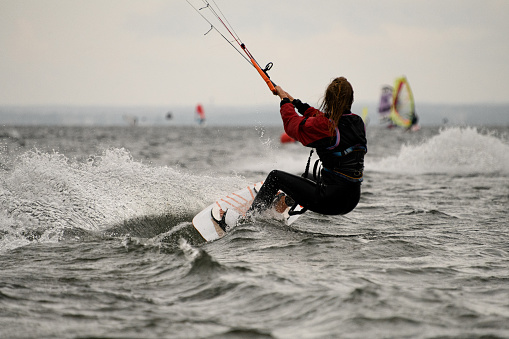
[398, 108]
[414, 124]
[200, 113]
[339, 137]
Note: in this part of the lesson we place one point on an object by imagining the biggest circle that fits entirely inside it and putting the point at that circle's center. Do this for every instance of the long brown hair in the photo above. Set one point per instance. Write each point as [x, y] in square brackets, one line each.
[338, 99]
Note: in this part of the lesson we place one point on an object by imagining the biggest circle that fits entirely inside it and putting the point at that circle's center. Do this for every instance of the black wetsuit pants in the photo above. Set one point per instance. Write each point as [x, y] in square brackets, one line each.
[332, 199]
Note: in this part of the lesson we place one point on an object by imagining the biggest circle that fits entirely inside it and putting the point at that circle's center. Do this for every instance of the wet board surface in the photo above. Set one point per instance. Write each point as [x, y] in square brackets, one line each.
[236, 204]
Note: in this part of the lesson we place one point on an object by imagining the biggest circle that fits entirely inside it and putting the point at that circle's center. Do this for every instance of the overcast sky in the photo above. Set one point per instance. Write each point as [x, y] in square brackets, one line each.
[151, 52]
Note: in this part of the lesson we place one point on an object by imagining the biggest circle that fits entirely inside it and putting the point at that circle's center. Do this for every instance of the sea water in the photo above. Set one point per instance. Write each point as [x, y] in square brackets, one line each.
[96, 237]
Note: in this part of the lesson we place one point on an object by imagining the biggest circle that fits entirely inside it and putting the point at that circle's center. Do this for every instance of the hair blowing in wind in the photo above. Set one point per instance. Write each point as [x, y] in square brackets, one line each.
[338, 99]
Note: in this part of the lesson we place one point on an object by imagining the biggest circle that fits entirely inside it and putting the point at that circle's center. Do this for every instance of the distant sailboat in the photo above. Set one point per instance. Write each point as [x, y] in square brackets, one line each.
[200, 114]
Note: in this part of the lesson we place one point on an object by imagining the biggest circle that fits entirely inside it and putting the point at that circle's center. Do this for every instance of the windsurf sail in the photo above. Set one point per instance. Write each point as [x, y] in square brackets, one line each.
[200, 114]
[364, 116]
[384, 108]
[403, 107]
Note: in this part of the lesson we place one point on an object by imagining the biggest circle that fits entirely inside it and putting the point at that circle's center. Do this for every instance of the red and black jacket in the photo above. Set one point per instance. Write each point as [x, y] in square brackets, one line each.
[341, 152]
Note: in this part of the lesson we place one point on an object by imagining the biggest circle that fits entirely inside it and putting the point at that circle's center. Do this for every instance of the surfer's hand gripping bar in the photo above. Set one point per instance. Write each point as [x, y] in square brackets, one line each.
[283, 94]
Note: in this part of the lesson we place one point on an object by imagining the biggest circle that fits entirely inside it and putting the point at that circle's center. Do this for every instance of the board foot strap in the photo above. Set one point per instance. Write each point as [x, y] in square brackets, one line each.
[222, 223]
[292, 210]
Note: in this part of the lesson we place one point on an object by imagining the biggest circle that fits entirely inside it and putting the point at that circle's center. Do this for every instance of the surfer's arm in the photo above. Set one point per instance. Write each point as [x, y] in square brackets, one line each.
[305, 129]
[302, 107]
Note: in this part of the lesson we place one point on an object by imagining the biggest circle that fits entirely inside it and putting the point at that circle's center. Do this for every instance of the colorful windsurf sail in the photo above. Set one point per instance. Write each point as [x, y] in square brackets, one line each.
[403, 107]
[364, 116]
[384, 108]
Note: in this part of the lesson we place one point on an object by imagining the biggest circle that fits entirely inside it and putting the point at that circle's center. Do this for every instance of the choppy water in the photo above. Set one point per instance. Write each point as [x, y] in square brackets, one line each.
[96, 238]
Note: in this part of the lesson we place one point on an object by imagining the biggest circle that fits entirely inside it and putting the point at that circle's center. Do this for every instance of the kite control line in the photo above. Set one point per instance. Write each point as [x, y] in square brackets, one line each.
[219, 16]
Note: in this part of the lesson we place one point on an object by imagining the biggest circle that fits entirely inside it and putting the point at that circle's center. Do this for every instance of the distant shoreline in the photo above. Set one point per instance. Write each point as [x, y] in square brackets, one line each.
[66, 115]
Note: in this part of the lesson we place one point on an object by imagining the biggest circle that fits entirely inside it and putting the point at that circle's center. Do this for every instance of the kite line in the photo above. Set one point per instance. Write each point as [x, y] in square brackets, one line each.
[216, 12]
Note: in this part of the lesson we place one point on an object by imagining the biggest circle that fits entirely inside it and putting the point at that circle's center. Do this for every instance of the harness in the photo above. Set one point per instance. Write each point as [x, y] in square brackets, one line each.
[336, 171]
[335, 163]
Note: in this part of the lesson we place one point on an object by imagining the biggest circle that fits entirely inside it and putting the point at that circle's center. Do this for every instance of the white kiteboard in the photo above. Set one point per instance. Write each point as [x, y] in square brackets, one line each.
[213, 224]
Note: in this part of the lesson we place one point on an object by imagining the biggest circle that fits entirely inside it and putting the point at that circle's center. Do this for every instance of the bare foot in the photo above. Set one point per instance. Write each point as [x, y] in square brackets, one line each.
[280, 205]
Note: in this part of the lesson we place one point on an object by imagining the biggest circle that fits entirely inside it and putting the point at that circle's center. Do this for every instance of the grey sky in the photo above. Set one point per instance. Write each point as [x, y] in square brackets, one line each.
[150, 52]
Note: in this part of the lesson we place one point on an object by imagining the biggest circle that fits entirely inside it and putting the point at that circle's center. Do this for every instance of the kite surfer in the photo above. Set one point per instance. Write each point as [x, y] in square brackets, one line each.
[339, 137]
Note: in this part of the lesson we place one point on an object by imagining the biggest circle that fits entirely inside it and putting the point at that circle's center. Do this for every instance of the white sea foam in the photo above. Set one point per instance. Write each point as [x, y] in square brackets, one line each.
[49, 192]
[454, 150]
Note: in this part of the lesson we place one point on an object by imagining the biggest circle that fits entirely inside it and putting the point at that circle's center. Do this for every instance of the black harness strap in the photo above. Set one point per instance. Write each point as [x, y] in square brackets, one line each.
[306, 172]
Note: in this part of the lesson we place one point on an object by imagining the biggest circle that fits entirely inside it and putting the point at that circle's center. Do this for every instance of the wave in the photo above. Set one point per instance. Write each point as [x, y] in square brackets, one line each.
[454, 150]
[44, 195]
